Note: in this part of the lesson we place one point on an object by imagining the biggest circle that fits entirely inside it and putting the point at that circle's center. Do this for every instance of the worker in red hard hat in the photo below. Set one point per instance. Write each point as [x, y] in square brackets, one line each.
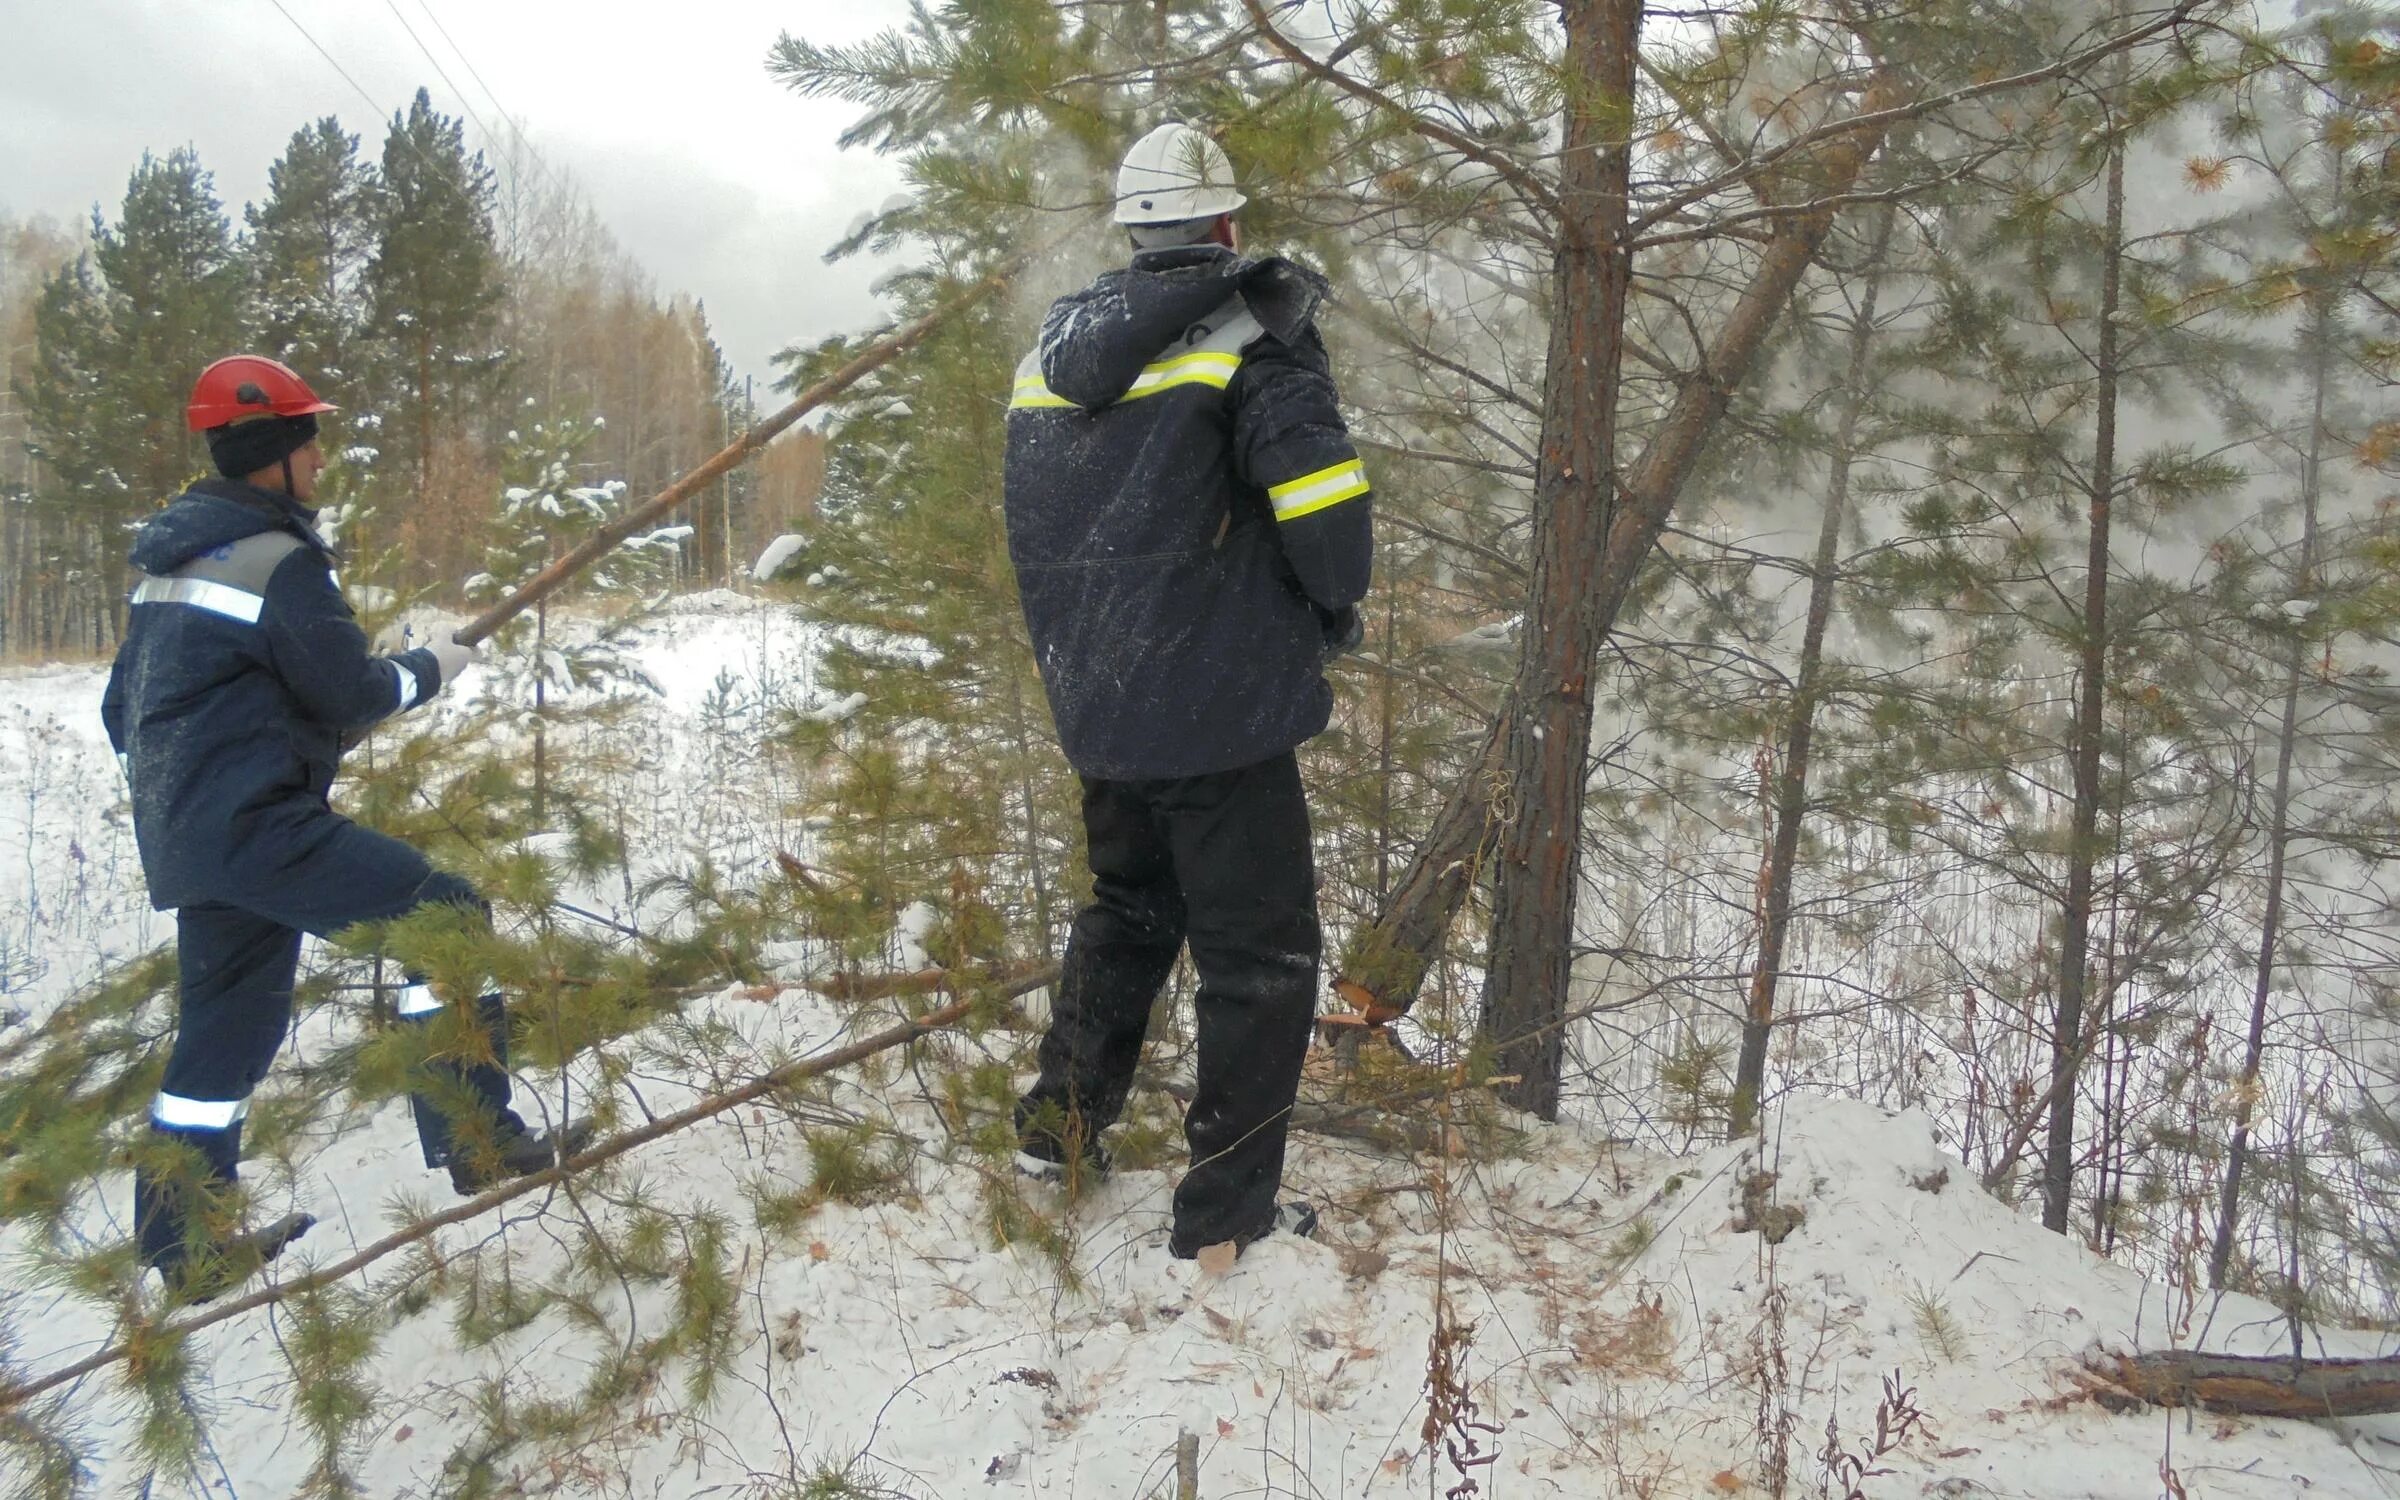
[258, 414]
[242, 677]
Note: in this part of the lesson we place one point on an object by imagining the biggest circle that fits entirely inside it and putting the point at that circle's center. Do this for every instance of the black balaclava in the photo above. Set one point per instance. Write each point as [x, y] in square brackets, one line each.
[1174, 235]
[241, 449]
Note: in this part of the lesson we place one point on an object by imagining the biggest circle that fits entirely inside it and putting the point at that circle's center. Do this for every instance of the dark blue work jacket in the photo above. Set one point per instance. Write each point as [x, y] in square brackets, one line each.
[1186, 514]
[241, 675]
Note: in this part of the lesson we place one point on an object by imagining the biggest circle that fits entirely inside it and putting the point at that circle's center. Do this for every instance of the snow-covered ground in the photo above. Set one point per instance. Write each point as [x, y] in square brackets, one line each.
[1626, 1315]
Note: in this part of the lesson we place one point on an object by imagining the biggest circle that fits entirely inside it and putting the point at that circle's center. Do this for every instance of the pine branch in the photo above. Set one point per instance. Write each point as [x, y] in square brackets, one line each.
[1878, 122]
[1535, 191]
[151, 1339]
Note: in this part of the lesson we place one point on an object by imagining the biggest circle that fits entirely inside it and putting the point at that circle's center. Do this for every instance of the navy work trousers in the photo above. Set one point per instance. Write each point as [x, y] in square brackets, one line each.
[239, 958]
[1223, 862]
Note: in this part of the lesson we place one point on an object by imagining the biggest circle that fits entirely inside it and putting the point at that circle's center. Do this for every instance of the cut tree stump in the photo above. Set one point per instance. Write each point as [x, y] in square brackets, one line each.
[2256, 1386]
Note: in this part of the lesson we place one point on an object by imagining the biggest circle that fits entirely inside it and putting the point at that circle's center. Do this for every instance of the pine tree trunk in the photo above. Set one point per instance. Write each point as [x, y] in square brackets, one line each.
[1546, 742]
[1387, 691]
[1791, 787]
[424, 419]
[1386, 962]
[541, 714]
[2270, 928]
[2074, 948]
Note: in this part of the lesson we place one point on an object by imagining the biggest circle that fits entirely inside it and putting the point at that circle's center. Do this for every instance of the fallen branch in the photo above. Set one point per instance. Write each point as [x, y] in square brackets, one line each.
[1023, 979]
[149, 1338]
[2253, 1385]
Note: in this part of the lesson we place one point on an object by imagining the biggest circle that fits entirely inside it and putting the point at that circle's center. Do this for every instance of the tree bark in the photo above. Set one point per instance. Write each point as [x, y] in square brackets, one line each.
[2074, 946]
[1791, 786]
[1545, 743]
[2259, 1386]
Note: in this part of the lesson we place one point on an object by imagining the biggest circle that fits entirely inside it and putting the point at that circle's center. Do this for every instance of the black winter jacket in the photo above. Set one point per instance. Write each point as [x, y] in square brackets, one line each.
[1189, 522]
[241, 676]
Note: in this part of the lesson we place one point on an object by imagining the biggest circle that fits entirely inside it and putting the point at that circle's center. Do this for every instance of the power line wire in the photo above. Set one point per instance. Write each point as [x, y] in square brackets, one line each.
[476, 74]
[559, 182]
[335, 64]
[329, 58]
[525, 150]
[441, 72]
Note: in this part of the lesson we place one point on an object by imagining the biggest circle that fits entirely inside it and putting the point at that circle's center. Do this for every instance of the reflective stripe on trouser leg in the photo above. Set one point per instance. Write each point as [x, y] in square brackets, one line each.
[174, 1112]
[477, 1088]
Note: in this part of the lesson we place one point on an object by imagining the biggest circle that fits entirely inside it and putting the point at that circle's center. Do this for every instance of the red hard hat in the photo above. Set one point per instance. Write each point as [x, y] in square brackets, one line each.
[249, 385]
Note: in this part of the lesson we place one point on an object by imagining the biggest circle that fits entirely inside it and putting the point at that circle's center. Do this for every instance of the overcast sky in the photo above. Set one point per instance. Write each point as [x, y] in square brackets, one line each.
[718, 180]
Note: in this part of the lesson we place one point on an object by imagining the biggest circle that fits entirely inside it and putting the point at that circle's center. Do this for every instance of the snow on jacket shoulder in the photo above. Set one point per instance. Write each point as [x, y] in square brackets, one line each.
[1186, 514]
[241, 673]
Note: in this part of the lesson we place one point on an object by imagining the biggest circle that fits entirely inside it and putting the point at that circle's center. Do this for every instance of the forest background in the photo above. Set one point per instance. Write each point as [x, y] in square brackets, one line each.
[449, 308]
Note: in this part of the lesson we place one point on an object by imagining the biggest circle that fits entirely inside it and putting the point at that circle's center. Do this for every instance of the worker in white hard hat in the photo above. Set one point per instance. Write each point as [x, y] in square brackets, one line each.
[1190, 527]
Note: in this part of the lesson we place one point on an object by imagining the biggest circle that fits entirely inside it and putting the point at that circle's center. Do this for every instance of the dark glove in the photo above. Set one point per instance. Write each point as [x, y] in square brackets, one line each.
[1344, 631]
[1283, 296]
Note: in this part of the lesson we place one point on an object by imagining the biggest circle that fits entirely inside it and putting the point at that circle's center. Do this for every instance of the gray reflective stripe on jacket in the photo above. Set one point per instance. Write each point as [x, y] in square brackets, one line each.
[1209, 354]
[230, 581]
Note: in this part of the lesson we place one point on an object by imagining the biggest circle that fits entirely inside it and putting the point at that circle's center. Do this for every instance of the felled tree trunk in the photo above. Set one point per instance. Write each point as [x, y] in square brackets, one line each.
[2257, 1385]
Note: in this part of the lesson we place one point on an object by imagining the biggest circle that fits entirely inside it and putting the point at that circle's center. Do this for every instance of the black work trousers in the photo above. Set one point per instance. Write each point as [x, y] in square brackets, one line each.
[1223, 862]
[239, 959]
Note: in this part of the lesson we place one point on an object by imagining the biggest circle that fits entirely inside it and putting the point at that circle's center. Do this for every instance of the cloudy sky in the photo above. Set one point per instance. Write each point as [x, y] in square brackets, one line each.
[722, 183]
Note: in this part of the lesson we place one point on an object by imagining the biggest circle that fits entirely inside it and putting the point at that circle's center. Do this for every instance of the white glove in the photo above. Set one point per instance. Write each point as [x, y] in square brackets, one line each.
[453, 656]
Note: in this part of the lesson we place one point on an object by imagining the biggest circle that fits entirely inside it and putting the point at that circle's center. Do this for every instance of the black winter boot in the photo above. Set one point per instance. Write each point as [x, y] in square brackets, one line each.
[171, 1198]
[1294, 1217]
[473, 1170]
[459, 1103]
[206, 1274]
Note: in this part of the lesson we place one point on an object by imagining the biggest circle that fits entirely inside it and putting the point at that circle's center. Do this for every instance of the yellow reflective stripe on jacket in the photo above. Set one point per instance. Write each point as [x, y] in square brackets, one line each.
[1311, 493]
[1206, 368]
[1031, 391]
[1185, 369]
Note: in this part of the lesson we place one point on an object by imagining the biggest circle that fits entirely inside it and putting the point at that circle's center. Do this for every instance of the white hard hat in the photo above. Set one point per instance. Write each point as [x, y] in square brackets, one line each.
[1173, 174]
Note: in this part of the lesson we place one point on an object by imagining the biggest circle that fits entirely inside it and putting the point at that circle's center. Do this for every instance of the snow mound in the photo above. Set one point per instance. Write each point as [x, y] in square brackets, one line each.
[779, 552]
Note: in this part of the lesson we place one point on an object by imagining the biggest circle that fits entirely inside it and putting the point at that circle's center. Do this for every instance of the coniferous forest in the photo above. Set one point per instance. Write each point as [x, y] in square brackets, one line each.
[447, 318]
[1876, 745]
